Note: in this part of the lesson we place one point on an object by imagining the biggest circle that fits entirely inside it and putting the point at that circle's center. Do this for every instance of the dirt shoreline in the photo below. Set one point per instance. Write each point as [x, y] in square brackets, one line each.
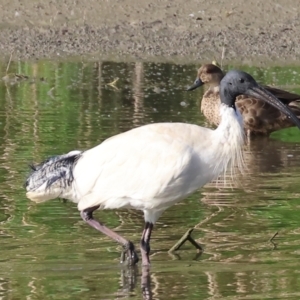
[190, 31]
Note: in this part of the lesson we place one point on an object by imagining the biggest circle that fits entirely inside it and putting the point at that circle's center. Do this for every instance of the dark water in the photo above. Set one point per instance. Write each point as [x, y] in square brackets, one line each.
[46, 250]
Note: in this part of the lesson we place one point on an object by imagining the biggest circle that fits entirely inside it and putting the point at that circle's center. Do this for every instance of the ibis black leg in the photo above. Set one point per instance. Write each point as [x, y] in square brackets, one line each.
[87, 216]
[146, 283]
[145, 243]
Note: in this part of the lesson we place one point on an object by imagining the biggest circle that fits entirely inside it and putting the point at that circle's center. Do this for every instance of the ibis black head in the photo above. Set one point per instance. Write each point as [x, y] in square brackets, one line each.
[237, 83]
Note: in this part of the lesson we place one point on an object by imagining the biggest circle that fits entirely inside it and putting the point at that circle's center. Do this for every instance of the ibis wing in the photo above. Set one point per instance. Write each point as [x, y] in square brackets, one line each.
[137, 168]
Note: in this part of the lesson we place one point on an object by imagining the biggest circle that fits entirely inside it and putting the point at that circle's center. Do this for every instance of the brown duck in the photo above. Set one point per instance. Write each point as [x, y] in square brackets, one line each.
[259, 117]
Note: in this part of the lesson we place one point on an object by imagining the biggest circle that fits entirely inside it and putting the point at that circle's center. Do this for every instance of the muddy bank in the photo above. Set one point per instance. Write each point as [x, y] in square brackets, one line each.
[175, 30]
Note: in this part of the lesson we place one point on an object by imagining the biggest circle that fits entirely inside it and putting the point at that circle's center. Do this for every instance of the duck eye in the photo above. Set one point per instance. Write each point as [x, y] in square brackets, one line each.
[230, 83]
[242, 80]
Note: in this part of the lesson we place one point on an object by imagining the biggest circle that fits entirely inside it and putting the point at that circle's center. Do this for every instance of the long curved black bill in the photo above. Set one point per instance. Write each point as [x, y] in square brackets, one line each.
[262, 94]
[196, 84]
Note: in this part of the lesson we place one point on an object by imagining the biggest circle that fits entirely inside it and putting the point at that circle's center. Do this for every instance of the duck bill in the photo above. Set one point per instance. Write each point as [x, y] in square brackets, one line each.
[262, 94]
[196, 84]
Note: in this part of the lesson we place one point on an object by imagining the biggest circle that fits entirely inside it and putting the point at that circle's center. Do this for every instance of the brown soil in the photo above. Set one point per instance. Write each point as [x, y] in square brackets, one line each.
[189, 30]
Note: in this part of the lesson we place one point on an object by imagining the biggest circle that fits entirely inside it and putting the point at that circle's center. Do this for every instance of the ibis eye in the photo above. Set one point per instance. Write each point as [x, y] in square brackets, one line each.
[242, 80]
[230, 83]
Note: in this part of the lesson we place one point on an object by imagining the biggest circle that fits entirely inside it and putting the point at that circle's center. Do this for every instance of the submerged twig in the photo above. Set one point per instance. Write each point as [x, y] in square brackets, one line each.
[8, 64]
[113, 83]
[223, 53]
[214, 62]
[272, 239]
[187, 237]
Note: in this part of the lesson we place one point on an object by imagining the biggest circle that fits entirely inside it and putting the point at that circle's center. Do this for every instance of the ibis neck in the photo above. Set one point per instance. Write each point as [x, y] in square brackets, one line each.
[231, 119]
[227, 97]
[230, 138]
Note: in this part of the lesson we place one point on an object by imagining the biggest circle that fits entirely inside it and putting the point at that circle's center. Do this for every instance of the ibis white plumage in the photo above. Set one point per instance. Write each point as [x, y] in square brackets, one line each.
[149, 168]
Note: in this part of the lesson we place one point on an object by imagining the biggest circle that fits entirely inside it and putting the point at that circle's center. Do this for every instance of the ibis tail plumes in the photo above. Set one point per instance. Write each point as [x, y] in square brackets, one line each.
[52, 178]
[149, 168]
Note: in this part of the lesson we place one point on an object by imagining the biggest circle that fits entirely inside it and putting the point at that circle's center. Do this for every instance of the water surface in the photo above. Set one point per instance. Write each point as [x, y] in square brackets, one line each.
[48, 252]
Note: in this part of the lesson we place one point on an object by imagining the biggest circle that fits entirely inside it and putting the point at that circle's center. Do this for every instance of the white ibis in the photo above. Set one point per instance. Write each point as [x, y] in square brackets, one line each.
[150, 168]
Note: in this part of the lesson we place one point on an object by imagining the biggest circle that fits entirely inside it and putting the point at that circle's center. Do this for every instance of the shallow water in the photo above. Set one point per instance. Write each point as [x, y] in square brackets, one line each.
[47, 252]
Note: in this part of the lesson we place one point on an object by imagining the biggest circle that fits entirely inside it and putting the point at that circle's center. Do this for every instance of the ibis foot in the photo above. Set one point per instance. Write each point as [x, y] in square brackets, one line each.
[129, 251]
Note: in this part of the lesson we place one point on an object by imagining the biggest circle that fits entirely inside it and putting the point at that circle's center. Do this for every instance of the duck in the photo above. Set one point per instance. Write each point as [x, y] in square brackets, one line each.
[260, 118]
